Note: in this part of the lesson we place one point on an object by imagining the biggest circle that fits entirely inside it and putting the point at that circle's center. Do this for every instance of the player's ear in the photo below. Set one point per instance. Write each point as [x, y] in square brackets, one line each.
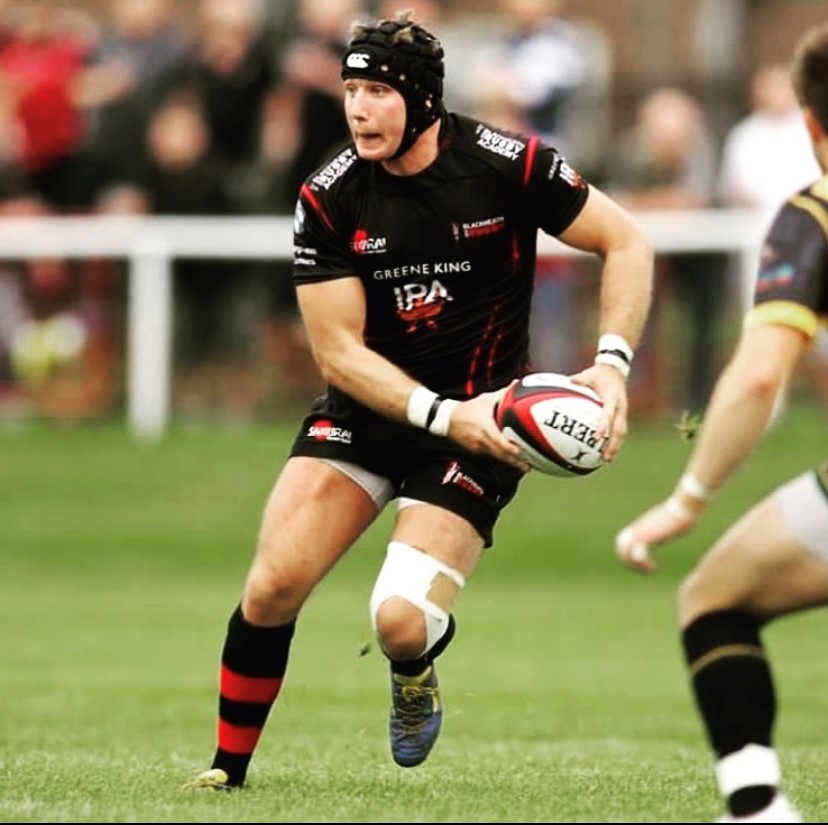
[813, 125]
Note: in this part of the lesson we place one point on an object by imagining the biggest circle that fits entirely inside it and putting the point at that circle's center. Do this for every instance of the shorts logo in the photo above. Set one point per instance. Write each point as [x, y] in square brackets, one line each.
[358, 60]
[324, 430]
[454, 475]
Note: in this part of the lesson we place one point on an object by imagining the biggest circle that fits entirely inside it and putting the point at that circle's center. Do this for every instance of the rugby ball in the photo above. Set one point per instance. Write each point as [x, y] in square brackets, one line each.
[553, 421]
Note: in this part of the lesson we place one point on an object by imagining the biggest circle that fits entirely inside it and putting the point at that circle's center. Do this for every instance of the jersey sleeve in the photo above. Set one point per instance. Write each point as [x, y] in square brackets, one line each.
[320, 252]
[790, 285]
[557, 192]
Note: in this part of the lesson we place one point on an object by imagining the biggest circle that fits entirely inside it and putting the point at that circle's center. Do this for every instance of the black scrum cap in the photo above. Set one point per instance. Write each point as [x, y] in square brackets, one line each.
[408, 58]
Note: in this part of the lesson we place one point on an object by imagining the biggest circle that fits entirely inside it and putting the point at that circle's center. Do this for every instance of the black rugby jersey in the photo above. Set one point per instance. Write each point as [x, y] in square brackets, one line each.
[792, 282]
[446, 257]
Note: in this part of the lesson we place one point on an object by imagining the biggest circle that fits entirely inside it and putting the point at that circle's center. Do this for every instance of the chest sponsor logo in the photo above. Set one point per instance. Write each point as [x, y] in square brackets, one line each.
[422, 270]
[504, 145]
[479, 229]
[363, 244]
[420, 305]
[324, 430]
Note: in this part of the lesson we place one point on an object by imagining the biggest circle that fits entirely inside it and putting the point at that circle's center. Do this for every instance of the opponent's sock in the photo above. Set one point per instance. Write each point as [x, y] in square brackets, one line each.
[734, 692]
[253, 664]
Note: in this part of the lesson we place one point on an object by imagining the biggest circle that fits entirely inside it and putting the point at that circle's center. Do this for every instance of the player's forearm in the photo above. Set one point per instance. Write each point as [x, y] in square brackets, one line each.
[626, 290]
[370, 379]
[735, 422]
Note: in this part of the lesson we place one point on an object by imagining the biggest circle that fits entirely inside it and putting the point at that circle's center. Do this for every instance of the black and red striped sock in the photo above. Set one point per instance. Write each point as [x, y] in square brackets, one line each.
[253, 664]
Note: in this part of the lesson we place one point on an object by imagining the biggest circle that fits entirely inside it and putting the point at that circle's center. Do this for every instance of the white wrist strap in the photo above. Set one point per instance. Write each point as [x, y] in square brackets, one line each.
[442, 419]
[692, 487]
[430, 411]
[677, 509]
[616, 352]
[615, 345]
[614, 361]
[420, 404]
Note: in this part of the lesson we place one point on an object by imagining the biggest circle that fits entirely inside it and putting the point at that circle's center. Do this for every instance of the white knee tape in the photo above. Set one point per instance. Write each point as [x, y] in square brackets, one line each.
[423, 581]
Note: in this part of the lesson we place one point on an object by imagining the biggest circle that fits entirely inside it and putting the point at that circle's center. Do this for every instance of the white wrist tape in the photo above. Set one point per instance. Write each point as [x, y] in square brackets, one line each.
[613, 360]
[692, 487]
[615, 345]
[442, 418]
[677, 509]
[420, 404]
[430, 411]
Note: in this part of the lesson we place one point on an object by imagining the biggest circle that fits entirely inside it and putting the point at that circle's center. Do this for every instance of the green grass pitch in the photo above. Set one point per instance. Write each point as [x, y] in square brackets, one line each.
[564, 692]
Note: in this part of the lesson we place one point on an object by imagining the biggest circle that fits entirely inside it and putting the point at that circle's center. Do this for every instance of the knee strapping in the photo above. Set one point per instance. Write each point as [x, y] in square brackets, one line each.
[421, 580]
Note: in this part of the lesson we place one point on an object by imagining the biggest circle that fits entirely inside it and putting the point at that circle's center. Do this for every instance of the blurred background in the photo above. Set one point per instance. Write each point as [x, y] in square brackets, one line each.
[130, 113]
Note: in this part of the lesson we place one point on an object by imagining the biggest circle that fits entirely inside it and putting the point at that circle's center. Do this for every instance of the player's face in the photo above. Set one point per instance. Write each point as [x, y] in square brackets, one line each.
[376, 117]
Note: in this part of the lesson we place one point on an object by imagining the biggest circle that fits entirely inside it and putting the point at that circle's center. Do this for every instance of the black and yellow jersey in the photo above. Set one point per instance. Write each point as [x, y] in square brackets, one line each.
[792, 282]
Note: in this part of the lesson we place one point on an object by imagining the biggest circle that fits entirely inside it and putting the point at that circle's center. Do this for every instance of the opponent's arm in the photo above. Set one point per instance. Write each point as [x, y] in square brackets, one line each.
[333, 313]
[736, 420]
[607, 230]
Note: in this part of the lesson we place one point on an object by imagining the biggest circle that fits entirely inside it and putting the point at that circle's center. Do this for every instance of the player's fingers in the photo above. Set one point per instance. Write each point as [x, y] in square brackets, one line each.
[633, 552]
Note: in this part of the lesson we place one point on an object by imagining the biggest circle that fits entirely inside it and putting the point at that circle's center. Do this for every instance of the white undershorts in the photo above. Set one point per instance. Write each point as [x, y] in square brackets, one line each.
[377, 486]
[804, 506]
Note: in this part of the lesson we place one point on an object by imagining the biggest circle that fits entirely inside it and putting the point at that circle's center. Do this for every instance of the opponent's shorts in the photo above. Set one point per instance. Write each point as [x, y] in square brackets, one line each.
[417, 464]
[804, 505]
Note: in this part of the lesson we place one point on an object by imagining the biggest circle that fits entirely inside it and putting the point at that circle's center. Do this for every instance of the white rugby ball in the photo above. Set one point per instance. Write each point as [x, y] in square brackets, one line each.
[553, 421]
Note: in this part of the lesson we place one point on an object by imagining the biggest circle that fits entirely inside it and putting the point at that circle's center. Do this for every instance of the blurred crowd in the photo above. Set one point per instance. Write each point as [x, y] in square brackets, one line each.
[223, 111]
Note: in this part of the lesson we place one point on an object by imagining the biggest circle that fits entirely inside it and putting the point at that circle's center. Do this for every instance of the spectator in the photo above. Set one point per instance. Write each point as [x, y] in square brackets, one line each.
[138, 40]
[311, 72]
[231, 68]
[217, 303]
[773, 138]
[40, 65]
[667, 160]
[539, 65]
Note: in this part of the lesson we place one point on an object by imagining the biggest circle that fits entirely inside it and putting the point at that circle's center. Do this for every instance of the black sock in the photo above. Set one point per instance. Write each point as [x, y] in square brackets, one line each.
[734, 691]
[253, 664]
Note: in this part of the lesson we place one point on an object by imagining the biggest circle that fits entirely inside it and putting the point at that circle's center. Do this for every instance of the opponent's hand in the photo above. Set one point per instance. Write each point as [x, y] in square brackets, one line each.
[611, 386]
[658, 525]
[473, 425]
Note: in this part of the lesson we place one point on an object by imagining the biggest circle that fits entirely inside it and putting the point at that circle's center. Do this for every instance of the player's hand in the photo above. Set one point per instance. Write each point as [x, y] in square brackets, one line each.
[611, 386]
[473, 425]
[658, 525]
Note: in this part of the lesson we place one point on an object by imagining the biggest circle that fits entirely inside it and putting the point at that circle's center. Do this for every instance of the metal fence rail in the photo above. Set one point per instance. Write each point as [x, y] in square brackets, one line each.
[150, 244]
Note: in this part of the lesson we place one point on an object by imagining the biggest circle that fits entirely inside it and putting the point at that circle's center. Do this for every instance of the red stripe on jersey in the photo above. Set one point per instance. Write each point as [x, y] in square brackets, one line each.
[240, 688]
[490, 325]
[237, 738]
[531, 151]
[309, 196]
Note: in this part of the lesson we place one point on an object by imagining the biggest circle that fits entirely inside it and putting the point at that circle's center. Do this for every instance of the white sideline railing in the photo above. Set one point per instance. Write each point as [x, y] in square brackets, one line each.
[150, 244]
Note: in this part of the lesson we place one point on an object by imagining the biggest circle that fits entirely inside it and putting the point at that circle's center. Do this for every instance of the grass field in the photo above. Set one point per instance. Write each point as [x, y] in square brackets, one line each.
[564, 692]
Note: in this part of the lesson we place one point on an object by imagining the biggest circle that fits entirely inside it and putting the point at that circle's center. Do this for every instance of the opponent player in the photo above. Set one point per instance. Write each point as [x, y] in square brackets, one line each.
[414, 264]
[774, 560]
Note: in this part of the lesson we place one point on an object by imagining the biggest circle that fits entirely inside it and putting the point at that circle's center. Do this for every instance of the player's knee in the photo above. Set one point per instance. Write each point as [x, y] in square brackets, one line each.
[401, 628]
[412, 600]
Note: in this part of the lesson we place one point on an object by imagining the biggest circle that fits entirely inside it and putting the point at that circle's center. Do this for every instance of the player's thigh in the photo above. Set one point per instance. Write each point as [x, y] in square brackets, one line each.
[772, 561]
[440, 533]
[314, 513]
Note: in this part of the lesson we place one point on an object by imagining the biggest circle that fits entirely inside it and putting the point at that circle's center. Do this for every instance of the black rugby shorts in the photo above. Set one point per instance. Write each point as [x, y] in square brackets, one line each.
[419, 465]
